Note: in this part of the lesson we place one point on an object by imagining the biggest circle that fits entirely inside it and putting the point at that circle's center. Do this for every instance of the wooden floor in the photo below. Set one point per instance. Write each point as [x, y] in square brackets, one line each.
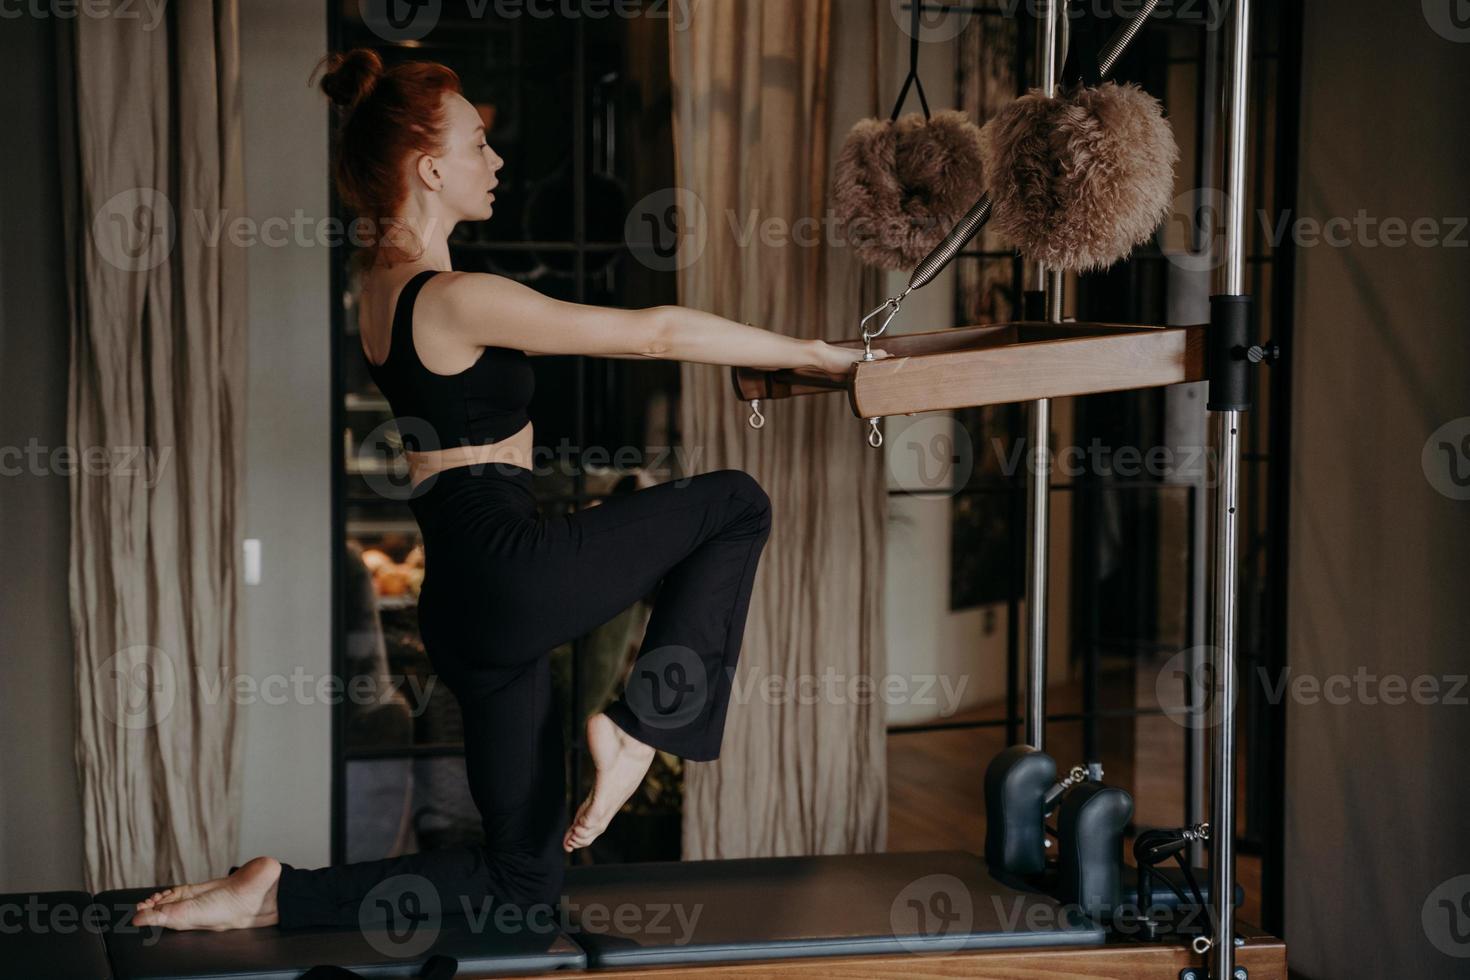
[936, 795]
[1263, 957]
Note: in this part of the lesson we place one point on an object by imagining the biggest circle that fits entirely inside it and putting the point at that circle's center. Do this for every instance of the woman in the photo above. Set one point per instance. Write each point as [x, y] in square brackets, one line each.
[503, 586]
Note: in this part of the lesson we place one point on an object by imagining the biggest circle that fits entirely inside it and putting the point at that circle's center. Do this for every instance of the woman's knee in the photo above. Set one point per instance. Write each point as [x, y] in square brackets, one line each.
[747, 488]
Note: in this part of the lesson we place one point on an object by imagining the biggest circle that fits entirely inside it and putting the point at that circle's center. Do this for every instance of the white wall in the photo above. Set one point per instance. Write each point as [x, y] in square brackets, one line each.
[288, 766]
[1380, 559]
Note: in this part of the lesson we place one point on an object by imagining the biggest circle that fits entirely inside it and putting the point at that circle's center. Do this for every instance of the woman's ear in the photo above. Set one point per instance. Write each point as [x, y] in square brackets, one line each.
[428, 172]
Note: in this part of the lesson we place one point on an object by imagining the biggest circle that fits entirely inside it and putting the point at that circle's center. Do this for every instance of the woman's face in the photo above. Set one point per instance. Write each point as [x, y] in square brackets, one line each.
[468, 167]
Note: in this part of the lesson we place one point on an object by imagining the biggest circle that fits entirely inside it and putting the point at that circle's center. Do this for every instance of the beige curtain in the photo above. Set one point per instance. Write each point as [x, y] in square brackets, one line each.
[151, 111]
[756, 133]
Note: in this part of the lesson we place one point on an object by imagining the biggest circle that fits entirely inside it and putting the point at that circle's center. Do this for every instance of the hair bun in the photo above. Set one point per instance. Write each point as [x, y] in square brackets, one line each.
[351, 77]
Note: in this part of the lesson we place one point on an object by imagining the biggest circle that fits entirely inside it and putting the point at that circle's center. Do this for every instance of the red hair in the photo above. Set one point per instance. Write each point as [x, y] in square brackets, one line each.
[386, 115]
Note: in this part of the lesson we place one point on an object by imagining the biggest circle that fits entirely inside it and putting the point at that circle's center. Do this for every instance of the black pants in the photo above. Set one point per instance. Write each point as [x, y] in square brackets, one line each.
[503, 586]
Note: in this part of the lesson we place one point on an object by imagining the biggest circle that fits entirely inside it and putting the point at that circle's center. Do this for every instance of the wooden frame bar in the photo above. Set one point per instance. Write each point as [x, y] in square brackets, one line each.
[995, 364]
[1262, 955]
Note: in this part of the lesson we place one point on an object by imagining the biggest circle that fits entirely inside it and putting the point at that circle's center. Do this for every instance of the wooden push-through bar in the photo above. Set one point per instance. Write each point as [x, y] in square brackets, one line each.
[994, 364]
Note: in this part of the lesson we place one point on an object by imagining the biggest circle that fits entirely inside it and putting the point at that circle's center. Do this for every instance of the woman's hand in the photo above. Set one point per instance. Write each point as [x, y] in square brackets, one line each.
[840, 360]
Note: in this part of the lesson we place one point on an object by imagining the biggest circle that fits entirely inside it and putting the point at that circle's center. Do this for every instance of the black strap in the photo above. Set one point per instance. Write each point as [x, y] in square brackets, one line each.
[913, 79]
[1083, 50]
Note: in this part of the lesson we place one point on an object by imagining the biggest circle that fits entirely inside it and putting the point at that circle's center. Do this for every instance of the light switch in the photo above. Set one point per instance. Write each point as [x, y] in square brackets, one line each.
[252, 561]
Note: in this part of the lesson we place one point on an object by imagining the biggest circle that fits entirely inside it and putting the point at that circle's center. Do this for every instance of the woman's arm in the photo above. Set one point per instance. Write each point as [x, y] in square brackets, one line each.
[485, 310]
[493, 311]
[693, 335]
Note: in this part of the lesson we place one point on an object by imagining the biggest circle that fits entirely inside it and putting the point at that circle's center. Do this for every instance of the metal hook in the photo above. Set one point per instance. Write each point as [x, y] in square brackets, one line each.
[875, 437]
[891, 304]
[756, 420]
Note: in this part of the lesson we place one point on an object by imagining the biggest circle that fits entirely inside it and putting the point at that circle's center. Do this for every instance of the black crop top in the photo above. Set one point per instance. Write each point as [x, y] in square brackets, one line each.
[485, 403]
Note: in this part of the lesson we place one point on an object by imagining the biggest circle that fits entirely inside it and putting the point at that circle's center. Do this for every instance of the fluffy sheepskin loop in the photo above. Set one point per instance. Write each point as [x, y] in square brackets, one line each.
[900, 187]
[1080, 180]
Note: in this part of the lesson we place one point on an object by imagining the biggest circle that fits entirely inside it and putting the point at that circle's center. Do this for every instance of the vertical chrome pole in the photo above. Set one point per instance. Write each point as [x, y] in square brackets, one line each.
[1037, 513]
[1227, 441]
[1208, 175]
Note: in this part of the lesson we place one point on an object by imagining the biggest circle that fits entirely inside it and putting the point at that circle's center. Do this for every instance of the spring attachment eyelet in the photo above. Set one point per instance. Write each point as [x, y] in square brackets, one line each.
[756, 420]
[875, 435]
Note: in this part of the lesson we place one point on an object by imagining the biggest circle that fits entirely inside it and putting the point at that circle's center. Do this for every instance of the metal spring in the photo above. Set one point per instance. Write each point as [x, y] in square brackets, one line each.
[1125, 36]
[945, 250]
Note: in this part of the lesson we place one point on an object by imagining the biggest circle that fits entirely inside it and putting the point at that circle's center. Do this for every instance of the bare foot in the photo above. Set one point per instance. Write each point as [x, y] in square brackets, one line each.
[179, 892]
[622, 761]
[244, 900]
